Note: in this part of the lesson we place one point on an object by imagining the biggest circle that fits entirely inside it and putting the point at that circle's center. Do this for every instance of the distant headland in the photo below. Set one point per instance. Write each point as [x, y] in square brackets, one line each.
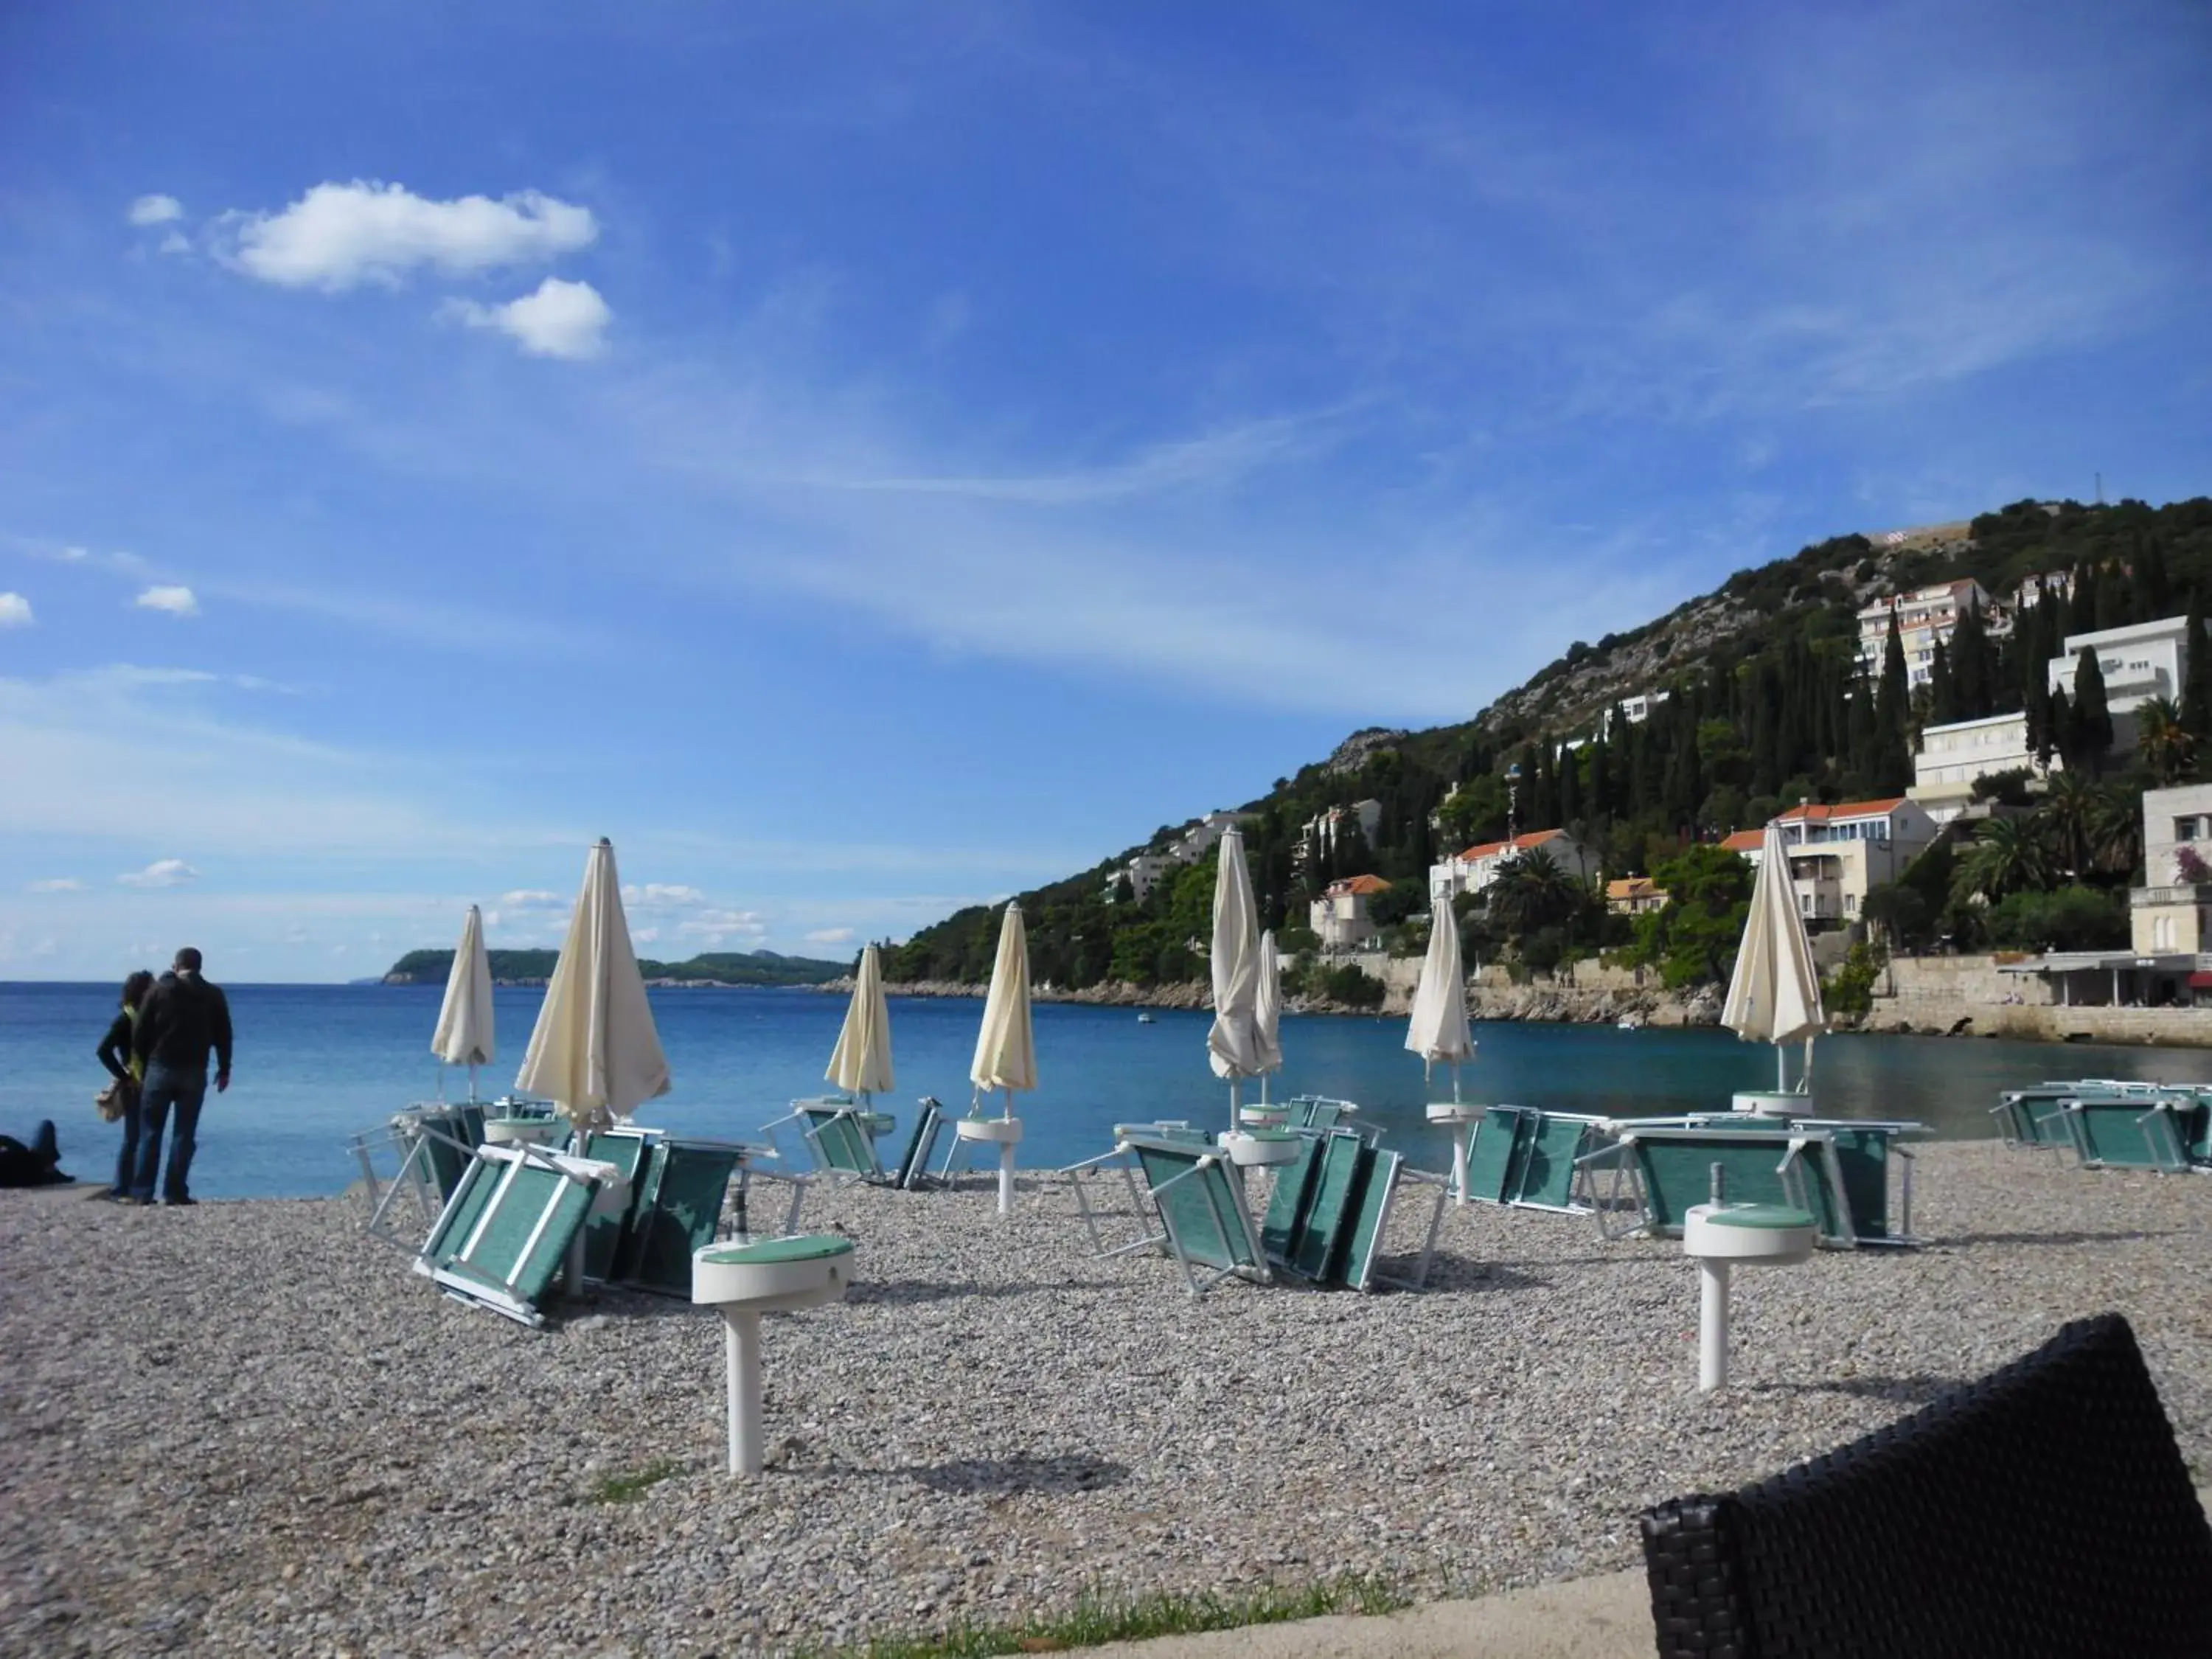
[722, 968]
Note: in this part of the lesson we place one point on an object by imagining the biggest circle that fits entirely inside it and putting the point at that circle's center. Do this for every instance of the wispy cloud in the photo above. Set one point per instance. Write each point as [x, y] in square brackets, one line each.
[162, 872]
[173, 599]
[654, 895]
[532, 898]
[338, 236]
[57, 884]
[830, 936]
[15, 610]
[155, 210]
[716, 928]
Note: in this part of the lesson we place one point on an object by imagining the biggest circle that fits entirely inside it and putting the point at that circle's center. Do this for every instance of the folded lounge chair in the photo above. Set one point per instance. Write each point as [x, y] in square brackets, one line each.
[505, 1231]
[1659, 1169]
[2035, 1117]
[2139, 1131]
[1328, 1216]
[1203, 1217]
[2043, 1510]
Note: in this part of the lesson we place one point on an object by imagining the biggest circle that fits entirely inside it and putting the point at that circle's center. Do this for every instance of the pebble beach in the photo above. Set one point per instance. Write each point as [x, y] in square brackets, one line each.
[247, 1428]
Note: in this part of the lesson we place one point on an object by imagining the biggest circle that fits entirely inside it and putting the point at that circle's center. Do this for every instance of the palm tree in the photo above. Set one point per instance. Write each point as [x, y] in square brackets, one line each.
[2008, 855]
[2088, 827]
[1530, 893]
[2167, 745]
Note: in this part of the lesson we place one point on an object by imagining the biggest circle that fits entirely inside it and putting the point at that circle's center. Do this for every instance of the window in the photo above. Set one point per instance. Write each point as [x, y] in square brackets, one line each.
[1850, 905]
[1805, 904]
[2184, 828]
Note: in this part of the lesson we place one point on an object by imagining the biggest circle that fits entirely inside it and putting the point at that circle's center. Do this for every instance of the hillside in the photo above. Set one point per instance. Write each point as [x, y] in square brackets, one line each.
[1766, 702]
[716, 968]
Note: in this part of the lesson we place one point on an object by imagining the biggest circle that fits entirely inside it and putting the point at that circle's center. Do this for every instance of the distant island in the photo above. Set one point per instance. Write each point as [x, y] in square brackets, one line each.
[716, 968]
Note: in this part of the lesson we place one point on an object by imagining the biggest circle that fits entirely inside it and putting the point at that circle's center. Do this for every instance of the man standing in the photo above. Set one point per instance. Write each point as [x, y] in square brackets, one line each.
[183, 1018]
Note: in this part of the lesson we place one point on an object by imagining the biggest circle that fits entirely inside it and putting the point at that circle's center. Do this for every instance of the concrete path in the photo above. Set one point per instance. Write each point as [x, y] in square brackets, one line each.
[1607, 1618]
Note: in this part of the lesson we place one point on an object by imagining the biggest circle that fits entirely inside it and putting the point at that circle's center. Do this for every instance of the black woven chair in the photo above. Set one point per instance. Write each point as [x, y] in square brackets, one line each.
[2043, 1510]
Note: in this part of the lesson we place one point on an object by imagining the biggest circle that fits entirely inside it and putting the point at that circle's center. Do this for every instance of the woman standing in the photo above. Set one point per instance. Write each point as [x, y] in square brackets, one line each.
[127, 1070]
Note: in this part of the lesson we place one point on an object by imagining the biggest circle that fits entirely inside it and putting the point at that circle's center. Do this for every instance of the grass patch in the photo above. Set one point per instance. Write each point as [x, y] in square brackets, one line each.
[628, 1488]
[1094, 1620]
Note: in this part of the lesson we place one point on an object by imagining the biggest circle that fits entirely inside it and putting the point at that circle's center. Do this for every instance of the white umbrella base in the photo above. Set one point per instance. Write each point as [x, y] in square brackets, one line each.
[1775, 1238]
[743, 1282]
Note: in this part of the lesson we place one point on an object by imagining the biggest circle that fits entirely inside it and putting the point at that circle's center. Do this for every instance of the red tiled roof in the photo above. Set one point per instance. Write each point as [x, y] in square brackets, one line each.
[1361, 885]
[1814, 812]
[1745, 841]
[1520, 843]
[1634, 887]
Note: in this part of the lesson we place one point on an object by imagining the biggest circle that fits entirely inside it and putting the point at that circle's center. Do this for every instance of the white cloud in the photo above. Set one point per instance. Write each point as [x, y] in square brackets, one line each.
[178, 601]
[15, 610]
[830, 936]
[531, 898]
[58, 884]
[716, 927]
[176, 242]
[337, 236]
[162, 872]
[155, 209]
[654, 894]
[560, 320]
[643, 935]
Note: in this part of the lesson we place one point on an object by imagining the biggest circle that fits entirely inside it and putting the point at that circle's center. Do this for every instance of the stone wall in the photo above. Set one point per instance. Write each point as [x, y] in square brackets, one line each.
[1969, 996]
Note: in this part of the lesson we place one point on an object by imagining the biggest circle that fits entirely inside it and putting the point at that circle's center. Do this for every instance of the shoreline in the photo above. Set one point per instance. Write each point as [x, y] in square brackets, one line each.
[1100, 1433]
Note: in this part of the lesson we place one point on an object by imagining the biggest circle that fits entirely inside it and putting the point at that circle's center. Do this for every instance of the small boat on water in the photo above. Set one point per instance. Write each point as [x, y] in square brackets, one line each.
[1628, 1022]
[1145, 1016]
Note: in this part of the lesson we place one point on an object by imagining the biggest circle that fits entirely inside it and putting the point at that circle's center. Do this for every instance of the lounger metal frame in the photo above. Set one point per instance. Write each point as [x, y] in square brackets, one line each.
[2166, 1146]
[1795, 1144]
[454, 1273]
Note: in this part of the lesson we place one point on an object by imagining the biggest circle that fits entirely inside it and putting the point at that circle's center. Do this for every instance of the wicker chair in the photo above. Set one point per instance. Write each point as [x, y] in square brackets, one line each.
[2044, 1509]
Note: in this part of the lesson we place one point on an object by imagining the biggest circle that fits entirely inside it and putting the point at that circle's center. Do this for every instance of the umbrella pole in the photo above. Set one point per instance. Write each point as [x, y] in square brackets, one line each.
[472, 1082]
[1455, 1066]
[1236, 1105]
[1006, 1165]
[1781, 1070]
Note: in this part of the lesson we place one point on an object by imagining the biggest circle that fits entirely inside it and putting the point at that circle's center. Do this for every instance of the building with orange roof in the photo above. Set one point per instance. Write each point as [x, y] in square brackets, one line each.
[1838, 853]
[1340, 915]
[1631, 895]
[1472, 871]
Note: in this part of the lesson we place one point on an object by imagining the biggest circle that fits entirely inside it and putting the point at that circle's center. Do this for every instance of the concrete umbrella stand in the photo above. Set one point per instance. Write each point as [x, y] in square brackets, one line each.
[1719, 1236]
[1461, 1117]
[743, 1282]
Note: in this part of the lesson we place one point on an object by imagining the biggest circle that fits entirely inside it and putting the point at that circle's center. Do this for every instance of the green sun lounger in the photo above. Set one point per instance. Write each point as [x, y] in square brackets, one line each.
[2134, 1132]
[1376, 1183]
[1667, 1167]
[1545, 1167]
[2035, 1117]
[676, 1210]
[1205, 1224]
[1495, 1153]
[505, 1231]
[629, 1150]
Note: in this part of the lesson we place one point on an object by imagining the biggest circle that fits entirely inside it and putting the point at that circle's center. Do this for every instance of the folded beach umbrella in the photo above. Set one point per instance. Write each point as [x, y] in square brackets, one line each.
[1774, 995]
[464, 1036]
[595, 1051]
[1233, 1042]
[1268, 1013]
[1006, 1049]
[861, 1064]
[1439, 1030]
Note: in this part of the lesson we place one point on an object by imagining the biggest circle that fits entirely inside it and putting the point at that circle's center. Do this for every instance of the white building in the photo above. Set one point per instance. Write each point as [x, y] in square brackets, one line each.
[2047, 584]
[1339, 915]
[1838, 854]
[2174, 912]
[1322, 830]
[1477, 868]
[2139, 662]
[1638, 710]
[1950, 757]
[1142, 872]
[1925, 617]
[1200, 839]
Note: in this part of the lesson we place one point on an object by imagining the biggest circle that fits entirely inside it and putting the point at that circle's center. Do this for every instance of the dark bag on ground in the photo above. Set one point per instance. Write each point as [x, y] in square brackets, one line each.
[35, 1166]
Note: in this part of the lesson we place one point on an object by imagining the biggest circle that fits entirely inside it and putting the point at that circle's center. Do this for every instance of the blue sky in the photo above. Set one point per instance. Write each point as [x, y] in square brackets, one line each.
[864, 459]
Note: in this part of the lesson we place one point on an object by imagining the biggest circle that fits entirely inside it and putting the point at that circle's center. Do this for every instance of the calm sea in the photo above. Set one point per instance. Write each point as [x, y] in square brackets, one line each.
[317, 1063]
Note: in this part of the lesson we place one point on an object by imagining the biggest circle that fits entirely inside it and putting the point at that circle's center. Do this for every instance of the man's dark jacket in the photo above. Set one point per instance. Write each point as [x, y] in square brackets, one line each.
[184, 1017]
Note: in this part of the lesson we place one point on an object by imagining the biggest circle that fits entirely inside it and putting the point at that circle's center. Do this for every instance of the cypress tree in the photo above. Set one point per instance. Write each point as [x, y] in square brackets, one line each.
[1892, 759]
[1942, 692]
[2092, 718]
[2196, 678]
[1571, 792]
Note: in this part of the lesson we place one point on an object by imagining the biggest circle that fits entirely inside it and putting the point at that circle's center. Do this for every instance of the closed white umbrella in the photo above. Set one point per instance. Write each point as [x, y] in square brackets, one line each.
[1268, 1013]
[464, 1036]
[595, 1050]
[861, 1062]
[1006, 1051]
[1438, 1032]
[1233, 1042]
[1774, 995]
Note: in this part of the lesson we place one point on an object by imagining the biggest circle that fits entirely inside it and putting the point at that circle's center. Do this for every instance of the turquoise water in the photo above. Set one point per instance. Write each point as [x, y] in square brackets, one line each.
[317, 1063]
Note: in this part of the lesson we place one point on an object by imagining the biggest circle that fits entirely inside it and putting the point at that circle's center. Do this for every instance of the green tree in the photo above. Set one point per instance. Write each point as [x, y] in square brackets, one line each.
[2164, 740]
[2009, 855]
[2085, 826]
[2092, 724]
[1692, 939]
[1531, 892]
[1903, 915]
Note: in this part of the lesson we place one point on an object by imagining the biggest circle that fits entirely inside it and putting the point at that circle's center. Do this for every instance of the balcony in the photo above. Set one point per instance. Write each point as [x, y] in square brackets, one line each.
[2143, 897]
